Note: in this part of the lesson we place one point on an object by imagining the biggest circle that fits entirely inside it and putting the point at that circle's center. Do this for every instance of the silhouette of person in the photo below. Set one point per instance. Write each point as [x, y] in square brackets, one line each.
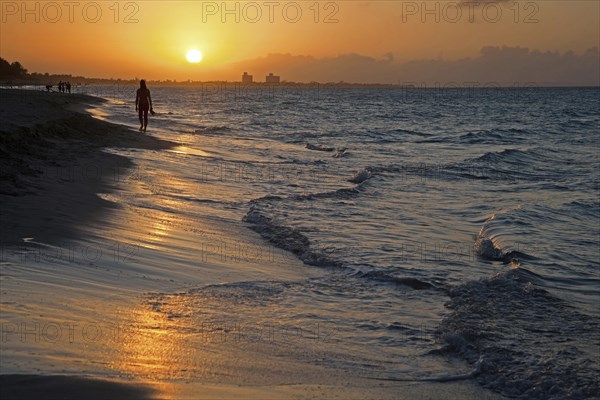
[60, 86]
[143, 102]
[68, 84]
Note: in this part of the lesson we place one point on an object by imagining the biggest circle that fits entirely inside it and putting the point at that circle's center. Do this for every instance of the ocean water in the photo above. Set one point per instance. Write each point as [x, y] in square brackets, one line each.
[452, 231]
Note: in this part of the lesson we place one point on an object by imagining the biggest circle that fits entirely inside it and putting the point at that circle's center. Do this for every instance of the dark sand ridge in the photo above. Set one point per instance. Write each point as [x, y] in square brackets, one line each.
[52, 164]
[68, 388]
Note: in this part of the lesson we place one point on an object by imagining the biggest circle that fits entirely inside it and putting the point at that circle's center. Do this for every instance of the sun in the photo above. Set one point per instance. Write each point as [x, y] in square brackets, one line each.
[194, 56]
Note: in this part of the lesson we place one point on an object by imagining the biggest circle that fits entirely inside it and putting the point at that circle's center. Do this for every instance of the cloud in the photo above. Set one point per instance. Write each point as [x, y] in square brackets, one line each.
[510, 65]
[502, 65]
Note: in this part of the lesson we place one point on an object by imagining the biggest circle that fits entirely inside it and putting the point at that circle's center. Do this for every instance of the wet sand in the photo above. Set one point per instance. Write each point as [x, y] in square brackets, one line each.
[29, 387]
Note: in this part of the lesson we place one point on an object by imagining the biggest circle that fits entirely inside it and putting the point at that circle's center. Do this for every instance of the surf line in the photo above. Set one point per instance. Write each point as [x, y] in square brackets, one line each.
[441, 378]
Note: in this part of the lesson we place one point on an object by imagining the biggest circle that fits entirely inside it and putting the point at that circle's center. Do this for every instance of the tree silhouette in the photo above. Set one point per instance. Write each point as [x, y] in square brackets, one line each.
[14, 70]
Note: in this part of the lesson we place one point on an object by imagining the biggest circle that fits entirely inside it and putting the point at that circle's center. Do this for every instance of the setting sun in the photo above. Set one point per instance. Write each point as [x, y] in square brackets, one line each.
[194, 56]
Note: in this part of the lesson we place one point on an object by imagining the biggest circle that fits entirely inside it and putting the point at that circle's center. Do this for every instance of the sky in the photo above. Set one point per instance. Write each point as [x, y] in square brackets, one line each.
[355, 41]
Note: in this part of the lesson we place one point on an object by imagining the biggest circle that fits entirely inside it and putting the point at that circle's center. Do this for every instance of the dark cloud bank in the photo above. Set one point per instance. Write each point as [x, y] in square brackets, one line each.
[494, 65]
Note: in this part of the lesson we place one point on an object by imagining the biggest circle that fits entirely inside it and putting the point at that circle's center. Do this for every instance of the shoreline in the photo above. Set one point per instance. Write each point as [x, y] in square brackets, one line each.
[67, 387]
[51, 147]
[53, 150]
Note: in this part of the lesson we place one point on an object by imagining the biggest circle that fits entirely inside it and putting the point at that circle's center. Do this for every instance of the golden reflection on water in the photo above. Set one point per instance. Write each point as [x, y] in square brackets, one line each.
[156, 229]
[151, 349]
[160, 227]
[189, 151]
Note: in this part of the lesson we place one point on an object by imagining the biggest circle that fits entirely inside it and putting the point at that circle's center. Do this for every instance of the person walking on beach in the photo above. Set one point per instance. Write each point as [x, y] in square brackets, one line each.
[143, 103]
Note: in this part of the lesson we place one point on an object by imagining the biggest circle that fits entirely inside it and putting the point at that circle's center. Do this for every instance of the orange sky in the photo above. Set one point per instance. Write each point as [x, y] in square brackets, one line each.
[154, 47]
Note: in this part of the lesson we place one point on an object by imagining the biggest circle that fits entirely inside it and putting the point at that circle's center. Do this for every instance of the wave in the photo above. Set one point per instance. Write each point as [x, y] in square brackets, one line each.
[533, 164]
[242, 292]
[497, 136]
[408, 281]
[397, 135]
[506, 155]
[212, 130]
[201, 200]
[487, 244]
[525, 337]
[535, 159]
[294, 241]
[488, 249]
[451, 171]
[439, 378]
[411, 132]
[340, 153]
[506, 165]
[588, 209]
[361, 176]
[319, 148]
[289, 239]
[533, 344]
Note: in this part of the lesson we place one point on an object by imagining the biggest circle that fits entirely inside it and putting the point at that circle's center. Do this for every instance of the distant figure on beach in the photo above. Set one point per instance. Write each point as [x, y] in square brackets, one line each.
[60, 86]
[68, 84]
[48, 87]
[143, 103]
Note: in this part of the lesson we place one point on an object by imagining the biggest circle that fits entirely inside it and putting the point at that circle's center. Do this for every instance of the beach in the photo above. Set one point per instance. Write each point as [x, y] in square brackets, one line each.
[300, 200]
[220, 256]
[52, 149]
[58, 285]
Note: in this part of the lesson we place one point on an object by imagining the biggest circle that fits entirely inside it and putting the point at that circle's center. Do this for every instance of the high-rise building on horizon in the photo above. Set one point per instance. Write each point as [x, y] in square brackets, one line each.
[272, 78]
[246, 78]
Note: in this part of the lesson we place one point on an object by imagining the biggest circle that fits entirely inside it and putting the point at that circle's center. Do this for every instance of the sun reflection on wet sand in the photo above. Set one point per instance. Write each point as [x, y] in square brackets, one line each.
[150, 350]
[189, 151]
[160, 228]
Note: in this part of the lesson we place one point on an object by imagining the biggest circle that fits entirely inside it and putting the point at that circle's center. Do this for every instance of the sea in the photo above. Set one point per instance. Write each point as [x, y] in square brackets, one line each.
[435, 234]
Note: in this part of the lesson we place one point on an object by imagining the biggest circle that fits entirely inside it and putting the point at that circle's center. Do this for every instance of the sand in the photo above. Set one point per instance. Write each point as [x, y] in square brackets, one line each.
[54, 164]
[68, 387]
[75, 387]
[51, 148]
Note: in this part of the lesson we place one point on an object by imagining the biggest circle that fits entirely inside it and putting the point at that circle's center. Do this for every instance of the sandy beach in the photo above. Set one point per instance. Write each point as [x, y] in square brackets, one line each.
[54, 167]
[52, 149]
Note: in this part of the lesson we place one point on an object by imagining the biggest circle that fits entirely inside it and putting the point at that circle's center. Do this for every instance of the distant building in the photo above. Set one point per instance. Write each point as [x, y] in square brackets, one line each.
[272, 78]
[246, 78]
